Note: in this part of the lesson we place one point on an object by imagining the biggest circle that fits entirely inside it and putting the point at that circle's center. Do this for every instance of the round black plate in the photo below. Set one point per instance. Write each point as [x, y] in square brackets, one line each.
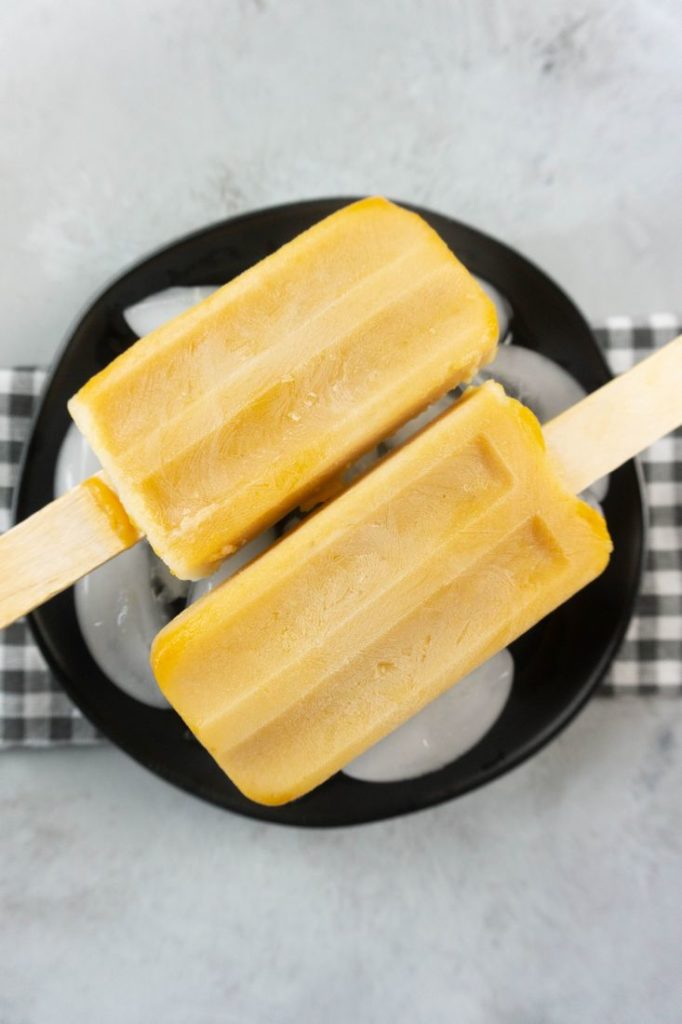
[558, 664]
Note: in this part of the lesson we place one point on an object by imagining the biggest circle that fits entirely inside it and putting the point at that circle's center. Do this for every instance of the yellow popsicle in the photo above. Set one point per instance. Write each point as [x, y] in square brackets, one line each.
[218, 423]
[439, 557]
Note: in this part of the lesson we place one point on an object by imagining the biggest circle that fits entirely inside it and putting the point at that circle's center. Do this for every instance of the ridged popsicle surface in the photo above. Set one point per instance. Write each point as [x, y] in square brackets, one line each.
[215, 425]
[442, 555]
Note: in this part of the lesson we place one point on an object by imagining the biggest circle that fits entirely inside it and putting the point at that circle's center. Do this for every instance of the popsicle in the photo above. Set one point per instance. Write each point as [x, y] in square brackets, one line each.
[439, 557]
[216, 424]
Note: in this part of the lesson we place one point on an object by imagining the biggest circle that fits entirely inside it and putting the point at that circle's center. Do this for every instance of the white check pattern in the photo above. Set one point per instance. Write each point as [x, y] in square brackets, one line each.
[34, 710]
[650, 658]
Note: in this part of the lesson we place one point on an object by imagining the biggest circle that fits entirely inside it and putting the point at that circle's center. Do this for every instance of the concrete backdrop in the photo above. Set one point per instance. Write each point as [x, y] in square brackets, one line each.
[551, 896]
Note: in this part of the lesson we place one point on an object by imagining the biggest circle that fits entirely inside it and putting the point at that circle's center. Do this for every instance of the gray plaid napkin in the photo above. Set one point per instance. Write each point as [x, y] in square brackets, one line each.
[650, 658]
[34, 710]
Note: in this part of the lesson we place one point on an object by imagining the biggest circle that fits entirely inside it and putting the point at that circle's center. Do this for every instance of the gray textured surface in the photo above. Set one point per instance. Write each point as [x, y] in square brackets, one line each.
[552, 896]
[554, 126]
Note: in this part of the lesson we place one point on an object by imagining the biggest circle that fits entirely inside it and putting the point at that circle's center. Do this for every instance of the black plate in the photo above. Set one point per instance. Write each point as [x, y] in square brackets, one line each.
[558, 664]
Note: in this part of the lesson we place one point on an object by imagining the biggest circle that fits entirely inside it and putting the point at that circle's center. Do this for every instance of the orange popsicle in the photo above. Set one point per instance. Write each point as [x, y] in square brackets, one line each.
[442, 555]
[218, 423]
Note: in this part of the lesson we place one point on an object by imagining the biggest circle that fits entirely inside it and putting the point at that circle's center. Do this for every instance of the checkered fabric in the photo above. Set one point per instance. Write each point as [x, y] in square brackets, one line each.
[650, 658]
[34, 711]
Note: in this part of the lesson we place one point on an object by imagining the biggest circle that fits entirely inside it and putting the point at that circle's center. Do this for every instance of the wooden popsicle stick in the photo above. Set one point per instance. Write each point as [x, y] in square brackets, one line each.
[57, 545]
[619, 420]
